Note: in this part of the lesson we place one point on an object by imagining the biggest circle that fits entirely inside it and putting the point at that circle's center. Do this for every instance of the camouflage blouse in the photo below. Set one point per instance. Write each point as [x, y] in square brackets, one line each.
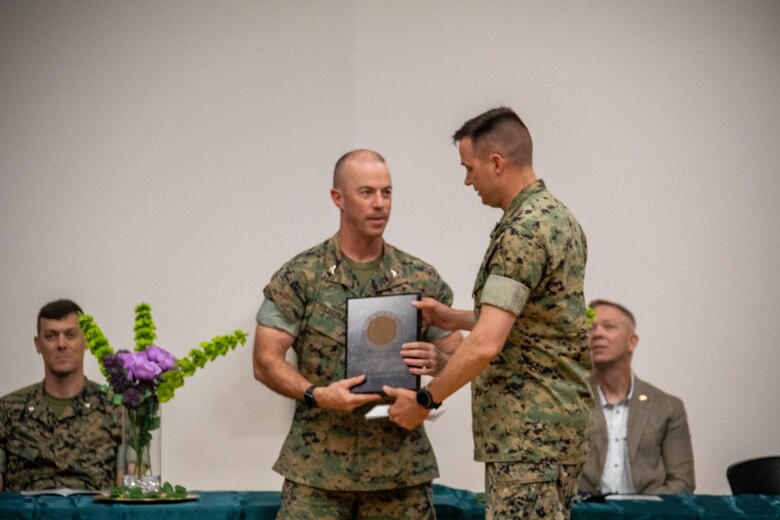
[331, 449]
[39, 450]
[532, 403]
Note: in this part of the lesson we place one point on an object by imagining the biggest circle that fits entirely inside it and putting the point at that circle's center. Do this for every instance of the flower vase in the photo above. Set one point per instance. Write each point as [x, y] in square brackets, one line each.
[142, 446]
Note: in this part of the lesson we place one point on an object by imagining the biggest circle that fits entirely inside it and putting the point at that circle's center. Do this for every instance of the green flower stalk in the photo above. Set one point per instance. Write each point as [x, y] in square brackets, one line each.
[96, 340]
[144, 327]
[197, 358]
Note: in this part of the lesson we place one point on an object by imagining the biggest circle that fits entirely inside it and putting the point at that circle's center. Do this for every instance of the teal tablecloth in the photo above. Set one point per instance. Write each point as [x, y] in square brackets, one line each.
[211, 505]
[450, 504]
[683, 507]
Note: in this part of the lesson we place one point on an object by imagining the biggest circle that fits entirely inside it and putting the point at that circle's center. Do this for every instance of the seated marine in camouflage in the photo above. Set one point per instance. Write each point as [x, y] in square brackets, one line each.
[63, 432]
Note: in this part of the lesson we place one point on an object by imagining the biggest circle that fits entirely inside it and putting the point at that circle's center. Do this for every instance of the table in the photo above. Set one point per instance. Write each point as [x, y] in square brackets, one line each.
[450, 503]
[211, 505]
[684, 507]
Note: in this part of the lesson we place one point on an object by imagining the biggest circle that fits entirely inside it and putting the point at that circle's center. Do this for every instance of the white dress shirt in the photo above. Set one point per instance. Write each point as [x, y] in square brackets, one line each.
[617, 468]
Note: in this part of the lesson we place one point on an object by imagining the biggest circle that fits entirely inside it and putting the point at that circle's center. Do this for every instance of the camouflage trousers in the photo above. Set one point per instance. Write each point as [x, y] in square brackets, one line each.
[517, 490]
[300, 502]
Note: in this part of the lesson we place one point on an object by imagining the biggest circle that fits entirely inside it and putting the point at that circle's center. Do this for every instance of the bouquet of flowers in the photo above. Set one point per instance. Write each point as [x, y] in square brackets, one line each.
[140, 381]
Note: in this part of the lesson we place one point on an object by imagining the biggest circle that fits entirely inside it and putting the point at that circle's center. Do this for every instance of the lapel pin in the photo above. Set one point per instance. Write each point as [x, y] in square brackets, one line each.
[643, 398]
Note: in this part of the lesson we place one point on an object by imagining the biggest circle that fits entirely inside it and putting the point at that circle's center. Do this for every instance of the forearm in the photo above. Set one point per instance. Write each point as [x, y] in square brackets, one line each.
[677, 455]
[272, 369]
[679, 478]
[672, 486]
[466, 363]
[462, 319]
[475, 352]
[678, 459]
[444, 317]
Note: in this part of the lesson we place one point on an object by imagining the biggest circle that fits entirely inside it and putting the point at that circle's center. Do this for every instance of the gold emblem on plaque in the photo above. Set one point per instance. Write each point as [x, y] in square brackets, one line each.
[381, 328]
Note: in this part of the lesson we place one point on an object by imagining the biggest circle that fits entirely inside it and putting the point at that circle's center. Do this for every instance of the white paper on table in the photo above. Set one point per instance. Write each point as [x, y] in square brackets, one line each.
[648, 498]
[381, 411]
[65, 492]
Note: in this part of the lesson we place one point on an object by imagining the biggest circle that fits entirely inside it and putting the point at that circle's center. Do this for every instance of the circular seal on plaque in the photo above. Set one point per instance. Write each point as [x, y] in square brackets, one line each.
[381, 328]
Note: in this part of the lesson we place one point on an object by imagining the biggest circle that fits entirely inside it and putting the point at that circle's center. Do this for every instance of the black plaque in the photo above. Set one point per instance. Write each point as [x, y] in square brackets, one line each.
[377, 326]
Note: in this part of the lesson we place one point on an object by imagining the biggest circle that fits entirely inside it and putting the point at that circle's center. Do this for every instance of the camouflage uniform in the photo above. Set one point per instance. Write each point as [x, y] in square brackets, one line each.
[330, 449]
[39, 450]
[531, 405]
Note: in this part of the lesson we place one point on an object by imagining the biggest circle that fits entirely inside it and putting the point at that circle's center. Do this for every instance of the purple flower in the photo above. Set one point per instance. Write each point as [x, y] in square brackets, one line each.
[132, 397]
[161, 357]
[127, 361]
[135, 375]
[141, 368]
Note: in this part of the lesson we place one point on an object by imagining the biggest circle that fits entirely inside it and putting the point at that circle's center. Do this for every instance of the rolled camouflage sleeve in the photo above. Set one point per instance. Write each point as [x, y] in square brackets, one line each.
[269, 315]
[505, 293]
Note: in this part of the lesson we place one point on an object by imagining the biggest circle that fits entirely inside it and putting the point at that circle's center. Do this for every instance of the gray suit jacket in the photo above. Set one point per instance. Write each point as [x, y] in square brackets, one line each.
[659, 444]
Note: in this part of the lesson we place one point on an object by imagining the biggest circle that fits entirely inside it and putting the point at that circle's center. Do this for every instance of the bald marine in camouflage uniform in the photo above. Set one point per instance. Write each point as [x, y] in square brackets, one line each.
[527, 355]
[63, 432]
[336, 463]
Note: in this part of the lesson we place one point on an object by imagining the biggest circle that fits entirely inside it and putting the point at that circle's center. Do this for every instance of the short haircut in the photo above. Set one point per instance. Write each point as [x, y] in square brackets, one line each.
[499, 130]
[621, 308]
[57, 310]
[338, 170]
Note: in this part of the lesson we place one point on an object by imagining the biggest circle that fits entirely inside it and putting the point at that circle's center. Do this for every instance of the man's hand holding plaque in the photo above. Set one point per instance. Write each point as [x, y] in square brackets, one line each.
[423, 358]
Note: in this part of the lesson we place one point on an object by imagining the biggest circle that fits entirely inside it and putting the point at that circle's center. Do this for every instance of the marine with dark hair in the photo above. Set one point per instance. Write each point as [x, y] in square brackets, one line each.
[527, 354]
[63, 432]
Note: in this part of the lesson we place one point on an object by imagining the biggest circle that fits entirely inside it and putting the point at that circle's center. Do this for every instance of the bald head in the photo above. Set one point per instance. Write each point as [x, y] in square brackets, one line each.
[349, 159]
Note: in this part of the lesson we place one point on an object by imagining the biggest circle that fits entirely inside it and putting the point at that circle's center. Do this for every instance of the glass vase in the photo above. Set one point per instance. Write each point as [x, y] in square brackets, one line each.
[142, 447]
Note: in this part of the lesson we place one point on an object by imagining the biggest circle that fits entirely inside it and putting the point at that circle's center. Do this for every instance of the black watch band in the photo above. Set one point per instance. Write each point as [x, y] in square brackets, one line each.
[425, 399]
[308, 397]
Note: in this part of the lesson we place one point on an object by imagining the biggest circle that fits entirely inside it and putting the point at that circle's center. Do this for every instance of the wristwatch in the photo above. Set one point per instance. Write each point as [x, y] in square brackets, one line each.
[308, 397]
[425, 399]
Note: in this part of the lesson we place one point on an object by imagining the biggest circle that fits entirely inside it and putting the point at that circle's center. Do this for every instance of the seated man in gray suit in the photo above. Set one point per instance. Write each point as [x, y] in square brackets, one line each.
[641, 442]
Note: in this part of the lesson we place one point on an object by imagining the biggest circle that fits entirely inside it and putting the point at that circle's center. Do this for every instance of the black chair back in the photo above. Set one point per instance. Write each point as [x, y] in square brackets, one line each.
[755, 476]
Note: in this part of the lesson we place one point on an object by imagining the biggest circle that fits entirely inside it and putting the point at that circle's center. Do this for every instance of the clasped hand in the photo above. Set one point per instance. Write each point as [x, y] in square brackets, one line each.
[421, 357]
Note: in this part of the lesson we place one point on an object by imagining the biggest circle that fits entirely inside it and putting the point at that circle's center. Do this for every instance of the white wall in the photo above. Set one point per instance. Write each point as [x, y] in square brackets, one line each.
[178, 152]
